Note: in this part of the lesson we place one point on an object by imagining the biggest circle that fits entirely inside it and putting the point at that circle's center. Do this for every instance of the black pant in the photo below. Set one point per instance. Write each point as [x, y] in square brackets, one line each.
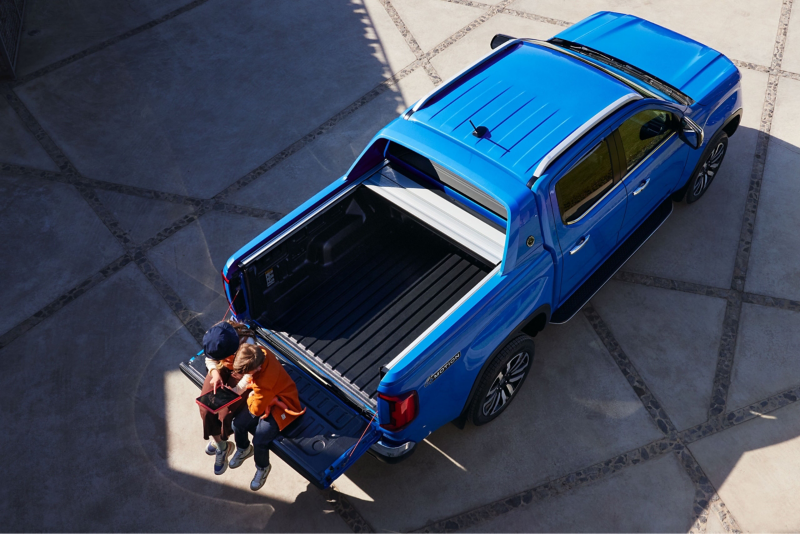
[263, 430]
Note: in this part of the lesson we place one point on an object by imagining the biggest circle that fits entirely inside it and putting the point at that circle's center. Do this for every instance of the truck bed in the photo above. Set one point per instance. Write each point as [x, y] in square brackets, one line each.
[362, 284]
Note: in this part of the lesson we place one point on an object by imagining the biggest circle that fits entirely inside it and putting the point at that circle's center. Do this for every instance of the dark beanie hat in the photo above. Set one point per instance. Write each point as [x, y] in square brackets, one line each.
[221, 341]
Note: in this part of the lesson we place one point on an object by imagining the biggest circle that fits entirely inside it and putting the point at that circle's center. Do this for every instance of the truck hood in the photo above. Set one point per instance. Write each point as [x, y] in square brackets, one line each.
[692, 67]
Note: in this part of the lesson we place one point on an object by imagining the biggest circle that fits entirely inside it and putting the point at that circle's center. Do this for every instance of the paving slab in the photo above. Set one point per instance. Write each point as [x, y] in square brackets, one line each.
[765, 362]
[432, 22]
[719, 24]
[143, 218]
[755, 470]
[476, 44]
[698, 243]
[101, 414]
[791, 51]
[18, 145]
[195, 103]
[627, 501]
[54, 29]
[575, 409]
[190, 261]
[714, 523]
[325, 159]
[672, 338]
[774, 267]
[51, 241]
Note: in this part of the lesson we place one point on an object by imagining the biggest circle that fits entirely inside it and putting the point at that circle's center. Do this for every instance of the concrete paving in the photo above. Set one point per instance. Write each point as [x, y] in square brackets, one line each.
[605, 506]
[55, 29]
[775, 269]
[766, 354]
[55, 240]
[112, 272]
[325, 159]
[18, 145]
[755, 470]
[672, 338]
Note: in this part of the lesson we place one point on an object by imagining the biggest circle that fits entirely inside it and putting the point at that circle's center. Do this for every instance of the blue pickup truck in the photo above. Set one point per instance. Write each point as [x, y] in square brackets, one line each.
[407, 294]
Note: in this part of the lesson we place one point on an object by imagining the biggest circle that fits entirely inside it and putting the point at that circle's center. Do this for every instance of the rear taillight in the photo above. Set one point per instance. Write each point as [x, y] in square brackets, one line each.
[402, 410]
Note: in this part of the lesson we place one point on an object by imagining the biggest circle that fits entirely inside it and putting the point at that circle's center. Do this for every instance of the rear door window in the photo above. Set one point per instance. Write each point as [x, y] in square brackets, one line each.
[643, 132]
[585, 183]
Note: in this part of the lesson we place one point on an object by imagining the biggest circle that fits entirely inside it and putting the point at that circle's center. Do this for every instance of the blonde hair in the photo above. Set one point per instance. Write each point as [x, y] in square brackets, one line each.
[248, 358]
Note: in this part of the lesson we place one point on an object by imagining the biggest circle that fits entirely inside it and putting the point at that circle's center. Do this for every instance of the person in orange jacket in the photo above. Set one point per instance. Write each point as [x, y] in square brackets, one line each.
[272, 405]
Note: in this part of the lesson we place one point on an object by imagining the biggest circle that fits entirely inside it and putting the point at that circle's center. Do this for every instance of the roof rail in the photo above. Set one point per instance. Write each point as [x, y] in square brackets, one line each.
[582, 129]
[424, 100]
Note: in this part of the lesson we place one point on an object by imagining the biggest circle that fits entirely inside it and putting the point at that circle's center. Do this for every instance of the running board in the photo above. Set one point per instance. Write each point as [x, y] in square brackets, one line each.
[603, 274]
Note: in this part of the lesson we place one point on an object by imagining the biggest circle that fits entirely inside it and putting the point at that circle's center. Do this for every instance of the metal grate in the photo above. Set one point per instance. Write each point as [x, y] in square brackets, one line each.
[10, 33]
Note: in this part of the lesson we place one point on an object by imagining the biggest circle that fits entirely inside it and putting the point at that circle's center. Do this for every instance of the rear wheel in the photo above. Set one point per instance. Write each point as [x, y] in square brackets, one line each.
[707, 168]
[502, 380]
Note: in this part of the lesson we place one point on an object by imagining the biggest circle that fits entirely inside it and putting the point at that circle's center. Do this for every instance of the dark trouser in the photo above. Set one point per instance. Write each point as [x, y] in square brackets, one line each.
[263, 430]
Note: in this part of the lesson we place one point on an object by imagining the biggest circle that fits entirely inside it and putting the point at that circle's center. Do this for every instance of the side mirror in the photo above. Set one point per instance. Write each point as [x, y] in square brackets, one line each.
[691, 133]
[499, 39]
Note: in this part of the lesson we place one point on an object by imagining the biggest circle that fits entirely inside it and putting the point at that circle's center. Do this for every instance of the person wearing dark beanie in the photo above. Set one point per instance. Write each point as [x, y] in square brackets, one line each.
[220, 344]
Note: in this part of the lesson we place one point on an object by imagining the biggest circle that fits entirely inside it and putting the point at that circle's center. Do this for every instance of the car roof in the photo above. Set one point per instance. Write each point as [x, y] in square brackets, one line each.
[530, 97]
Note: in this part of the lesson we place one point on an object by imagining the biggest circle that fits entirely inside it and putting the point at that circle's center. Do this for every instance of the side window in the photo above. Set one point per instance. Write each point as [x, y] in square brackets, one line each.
[643, 132]
[585, 183]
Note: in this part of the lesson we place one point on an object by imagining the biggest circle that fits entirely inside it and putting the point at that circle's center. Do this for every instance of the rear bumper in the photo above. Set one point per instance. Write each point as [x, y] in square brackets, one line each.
[392, 453]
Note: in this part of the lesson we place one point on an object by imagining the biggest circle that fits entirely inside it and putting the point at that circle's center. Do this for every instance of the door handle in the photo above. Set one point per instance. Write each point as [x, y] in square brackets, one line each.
[641, 187]
[582, 242]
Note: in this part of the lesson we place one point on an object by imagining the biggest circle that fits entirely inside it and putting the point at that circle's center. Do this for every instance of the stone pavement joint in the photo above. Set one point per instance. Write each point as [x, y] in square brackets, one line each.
[631, 374]
[105, 44]
[320, 130]
[722, 376]
[727, 348]
[50, 309]
[345, 509]
[466, 30]
[537, 18]
[705, 495]
[674, 285]
[740, 415]
[552, 488]
[411, 41]
[138, 254]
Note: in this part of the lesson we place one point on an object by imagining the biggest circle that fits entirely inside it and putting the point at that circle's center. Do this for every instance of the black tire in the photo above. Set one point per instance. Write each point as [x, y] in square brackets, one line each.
[707, 168]
[513, 361]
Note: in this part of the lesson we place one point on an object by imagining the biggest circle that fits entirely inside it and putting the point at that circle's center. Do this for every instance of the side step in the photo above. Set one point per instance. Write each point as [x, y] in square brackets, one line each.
[603, 274]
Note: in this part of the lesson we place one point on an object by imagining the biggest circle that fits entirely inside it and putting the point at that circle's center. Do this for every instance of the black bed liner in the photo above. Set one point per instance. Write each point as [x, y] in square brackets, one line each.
[391, 288]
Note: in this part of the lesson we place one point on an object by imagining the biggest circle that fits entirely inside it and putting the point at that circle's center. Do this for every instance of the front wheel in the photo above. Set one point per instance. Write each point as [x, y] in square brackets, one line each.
[502, 380]
[707, 169]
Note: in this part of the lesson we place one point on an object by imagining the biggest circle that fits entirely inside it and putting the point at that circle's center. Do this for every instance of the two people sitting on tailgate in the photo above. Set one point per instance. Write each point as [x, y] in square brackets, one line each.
[269, 403]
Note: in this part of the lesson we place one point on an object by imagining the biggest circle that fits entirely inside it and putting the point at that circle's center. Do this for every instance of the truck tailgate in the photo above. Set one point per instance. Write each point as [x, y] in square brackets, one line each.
[322, 443]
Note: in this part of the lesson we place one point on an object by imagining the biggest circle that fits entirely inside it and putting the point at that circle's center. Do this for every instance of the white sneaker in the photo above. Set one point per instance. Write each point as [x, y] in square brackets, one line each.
[211, 448]
[260, 477]
[221, 462]
[240, 456]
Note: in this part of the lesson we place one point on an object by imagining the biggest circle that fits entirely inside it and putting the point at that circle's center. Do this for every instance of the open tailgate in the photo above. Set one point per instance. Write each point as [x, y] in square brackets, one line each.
[322, 443]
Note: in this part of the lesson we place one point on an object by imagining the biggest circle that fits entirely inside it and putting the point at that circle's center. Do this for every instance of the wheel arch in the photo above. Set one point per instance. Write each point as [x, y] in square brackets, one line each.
[530, 326]
[732, 123]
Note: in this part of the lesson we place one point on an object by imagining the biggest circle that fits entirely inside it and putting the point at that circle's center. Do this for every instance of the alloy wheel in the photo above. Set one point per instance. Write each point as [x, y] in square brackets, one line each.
[709, 170]
[505, 384]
